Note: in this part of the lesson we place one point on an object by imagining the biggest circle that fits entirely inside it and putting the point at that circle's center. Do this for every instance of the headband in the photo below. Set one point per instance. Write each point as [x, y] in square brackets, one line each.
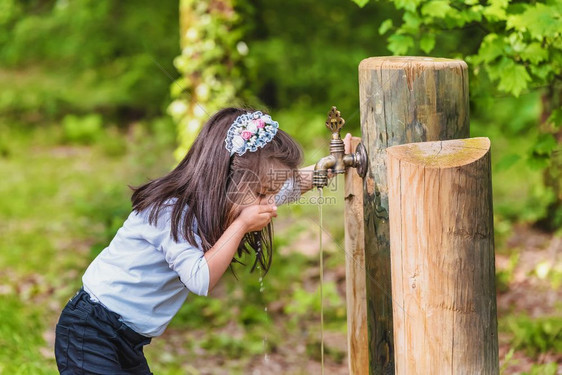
[250, 131]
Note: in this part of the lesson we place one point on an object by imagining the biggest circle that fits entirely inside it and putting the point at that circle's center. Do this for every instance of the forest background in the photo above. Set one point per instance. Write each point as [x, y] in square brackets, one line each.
[96, 95]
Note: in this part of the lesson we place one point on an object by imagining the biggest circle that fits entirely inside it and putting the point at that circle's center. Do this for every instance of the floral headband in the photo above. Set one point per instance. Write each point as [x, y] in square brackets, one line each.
[250, 131]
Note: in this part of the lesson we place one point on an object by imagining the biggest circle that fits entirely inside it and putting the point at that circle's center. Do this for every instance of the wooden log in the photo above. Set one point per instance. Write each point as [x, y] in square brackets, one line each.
[403, 100]
[357, 338]
[442, 257]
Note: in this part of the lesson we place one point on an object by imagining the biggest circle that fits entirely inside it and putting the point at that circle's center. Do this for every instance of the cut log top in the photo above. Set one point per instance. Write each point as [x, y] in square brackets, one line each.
[408, 62]
[441, 154]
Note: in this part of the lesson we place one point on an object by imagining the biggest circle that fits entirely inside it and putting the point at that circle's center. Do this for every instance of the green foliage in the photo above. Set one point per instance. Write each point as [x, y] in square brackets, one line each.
[507, 161]
[303, 303]
[270, 66]
[504, 277]
[543, 369]
[82, 130]
[521, 42]
[542, 150]
[511, 47]
[20, 339]
[64, 200]
[535, 335]
[507, 360]
[84, 55]
[232, 347]
[385, 26]
[399, 43]
[555, 118]
[291, 67]
[553, 274]
[360, 3]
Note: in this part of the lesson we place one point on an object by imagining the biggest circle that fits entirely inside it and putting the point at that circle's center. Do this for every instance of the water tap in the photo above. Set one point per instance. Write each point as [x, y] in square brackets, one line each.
[338, 160]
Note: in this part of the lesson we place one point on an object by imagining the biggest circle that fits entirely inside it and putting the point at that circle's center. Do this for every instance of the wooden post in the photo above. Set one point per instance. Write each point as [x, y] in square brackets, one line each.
[442, 256]
[357, 341]
[403, 100]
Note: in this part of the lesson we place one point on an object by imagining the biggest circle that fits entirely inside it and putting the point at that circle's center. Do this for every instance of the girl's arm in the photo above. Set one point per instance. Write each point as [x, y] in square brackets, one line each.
[219, 257]
[305, 178]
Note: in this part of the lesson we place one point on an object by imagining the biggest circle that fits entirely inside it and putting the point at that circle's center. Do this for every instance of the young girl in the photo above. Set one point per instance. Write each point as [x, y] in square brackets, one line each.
[183, 233]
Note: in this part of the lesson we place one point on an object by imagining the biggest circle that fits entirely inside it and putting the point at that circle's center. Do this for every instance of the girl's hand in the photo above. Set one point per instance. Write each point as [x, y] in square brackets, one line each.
[254, 218]
[347, 143]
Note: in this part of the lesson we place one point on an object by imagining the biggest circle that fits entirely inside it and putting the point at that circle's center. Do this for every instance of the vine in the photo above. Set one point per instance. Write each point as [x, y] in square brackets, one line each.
[211, 63]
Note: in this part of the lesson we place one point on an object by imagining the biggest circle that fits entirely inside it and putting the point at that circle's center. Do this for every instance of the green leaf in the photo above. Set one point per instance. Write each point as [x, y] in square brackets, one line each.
[555, 118]
[492, 47]
[541, 71]
[538, 19]
[507, 162]
[534, 53]
[513, 77]
[472, 14]
[360, 3]
[385, 26]
[436, 9]
[546, 143]
[411, 23]
[399, 44]
[427, 42]
[409, 5]
[496, 10]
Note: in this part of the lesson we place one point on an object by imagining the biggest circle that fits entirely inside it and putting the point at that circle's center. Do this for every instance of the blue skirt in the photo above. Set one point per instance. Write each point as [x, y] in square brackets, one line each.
[90, 339]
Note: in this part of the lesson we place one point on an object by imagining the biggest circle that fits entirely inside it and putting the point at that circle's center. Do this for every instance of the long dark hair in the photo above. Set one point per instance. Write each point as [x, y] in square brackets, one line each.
[206, 180]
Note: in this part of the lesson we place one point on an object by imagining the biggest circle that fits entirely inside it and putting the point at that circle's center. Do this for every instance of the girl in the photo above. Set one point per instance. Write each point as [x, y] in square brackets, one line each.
[183, 233]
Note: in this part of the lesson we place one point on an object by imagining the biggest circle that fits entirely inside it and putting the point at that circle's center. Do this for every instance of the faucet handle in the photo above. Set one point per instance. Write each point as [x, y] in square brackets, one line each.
[335, 122]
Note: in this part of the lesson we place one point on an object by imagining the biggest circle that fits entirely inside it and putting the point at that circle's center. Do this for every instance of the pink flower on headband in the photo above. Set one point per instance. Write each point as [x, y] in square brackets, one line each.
[250, 132]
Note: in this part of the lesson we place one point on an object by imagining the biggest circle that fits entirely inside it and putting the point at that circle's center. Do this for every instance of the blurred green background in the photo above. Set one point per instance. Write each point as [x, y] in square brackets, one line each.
[99, 95]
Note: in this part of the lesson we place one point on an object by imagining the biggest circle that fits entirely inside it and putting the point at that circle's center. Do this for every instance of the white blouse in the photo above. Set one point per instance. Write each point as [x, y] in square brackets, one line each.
[145, 276]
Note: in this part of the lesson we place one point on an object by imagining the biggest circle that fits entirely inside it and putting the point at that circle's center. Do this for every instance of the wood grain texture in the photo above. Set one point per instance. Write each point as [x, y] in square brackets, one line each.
[402, 100]
[442, 258]
[357, 340]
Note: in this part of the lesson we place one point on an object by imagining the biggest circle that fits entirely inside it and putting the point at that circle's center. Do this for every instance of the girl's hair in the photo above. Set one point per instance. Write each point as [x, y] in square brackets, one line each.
[213, 184]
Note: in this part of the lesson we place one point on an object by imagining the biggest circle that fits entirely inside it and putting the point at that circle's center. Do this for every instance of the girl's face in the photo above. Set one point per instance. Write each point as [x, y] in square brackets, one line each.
[271, 184]
[250, 189]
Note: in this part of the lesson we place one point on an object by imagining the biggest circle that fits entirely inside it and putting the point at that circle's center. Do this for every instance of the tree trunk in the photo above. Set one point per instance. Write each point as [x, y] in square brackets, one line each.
[204, 89]
[442, 256]
[403, 100]
[357, 338]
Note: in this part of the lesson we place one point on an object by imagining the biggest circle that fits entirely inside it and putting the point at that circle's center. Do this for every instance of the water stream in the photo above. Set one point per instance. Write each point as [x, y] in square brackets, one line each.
[320, 201]
[321, 261]
[262, 289]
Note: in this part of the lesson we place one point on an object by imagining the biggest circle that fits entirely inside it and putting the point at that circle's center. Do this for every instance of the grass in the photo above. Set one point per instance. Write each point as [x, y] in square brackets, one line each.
[59, 200]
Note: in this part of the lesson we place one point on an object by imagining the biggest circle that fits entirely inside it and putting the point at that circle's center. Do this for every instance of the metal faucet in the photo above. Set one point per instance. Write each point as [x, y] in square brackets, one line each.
[338, 161]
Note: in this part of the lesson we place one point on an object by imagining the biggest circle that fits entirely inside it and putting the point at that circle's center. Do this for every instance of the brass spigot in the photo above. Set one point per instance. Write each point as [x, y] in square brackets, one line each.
[338, 161]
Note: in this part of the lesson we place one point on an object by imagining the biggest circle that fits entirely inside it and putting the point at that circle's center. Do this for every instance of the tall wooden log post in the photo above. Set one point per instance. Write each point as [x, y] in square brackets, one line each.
[357, 338]
[442, 256]
[402, 100]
